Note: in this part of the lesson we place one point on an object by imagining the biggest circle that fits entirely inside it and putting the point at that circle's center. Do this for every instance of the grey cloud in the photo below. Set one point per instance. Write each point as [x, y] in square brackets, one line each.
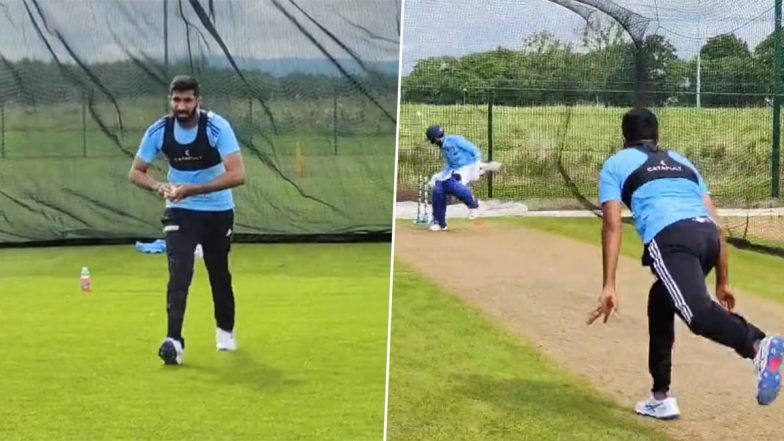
[250, 28]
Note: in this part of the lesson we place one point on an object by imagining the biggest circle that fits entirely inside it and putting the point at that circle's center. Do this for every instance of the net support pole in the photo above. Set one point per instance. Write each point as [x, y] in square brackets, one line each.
[641, 75]
[490, 144]
[84, 123]
[699, 58]
[775, 164]
[250, 119]
[2, 130]
[335, 117]
[166, 46]
[699, 80]
[166, 37]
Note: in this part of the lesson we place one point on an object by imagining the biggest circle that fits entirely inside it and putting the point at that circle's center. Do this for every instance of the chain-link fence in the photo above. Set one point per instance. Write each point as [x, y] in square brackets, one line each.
[548, 105]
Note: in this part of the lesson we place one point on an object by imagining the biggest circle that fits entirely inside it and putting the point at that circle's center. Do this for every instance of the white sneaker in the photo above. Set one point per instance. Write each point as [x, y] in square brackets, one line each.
[171, 351]
[225, 340]
[666, 409]
[768, 364]
[436, 227]
[473, 213]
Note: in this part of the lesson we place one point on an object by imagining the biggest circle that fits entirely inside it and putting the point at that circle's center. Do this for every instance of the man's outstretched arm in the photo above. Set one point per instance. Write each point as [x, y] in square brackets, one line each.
[609, 197]
[612, 233]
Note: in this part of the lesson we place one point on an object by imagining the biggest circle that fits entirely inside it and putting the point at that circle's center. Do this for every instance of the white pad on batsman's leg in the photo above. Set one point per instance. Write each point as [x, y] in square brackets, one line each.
[468, 174]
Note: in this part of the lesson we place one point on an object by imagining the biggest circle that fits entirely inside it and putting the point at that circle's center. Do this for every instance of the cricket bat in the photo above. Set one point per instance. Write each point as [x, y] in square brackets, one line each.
[490, 166]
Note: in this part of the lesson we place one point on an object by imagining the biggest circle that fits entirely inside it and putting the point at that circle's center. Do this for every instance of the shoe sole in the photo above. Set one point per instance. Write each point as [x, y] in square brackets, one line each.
[667, 418]
[168, 353]
[770, 382]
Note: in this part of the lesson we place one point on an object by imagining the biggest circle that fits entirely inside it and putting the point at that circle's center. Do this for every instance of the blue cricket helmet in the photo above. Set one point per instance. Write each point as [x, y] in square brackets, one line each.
[433, 133]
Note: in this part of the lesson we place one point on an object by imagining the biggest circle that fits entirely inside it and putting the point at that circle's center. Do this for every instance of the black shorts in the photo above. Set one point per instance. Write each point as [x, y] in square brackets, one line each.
[185, 229]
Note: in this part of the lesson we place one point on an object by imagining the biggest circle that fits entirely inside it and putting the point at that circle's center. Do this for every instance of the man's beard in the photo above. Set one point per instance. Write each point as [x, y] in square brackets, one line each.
[188, 118]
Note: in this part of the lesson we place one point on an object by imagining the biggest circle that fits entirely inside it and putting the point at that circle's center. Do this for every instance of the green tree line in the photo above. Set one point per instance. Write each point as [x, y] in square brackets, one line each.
[608, 69]
[33, 82]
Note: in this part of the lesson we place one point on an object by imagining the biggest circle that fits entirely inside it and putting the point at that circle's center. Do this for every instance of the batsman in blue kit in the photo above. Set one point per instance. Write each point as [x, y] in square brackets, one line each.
[204, 164]
[683, 242]
[463, 166]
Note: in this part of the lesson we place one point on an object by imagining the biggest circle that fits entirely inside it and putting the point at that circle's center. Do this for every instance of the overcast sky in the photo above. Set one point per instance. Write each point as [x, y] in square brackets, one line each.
[251, 28]
[458, 27]
[256, 29]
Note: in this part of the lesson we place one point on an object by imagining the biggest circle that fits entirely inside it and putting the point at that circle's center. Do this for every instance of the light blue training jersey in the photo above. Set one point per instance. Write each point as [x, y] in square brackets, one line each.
[458, 152]
[220, 135]
[658, 203]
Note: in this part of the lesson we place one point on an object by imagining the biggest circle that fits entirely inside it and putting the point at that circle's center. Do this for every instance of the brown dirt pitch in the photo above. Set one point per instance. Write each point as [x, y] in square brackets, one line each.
[541, 287]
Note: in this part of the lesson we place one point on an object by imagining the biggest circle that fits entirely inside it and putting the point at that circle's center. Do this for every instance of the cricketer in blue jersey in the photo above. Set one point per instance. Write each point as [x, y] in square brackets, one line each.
[205, 163]
[462, 166]
[683, 241]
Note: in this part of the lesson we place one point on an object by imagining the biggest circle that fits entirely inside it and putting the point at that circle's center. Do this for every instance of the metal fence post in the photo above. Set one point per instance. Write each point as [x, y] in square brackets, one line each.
[775, 165]
[490, 143]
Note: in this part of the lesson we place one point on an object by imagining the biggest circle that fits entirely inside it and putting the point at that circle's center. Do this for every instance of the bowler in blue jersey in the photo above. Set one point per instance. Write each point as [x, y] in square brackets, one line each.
[205, 163]
[683, 242]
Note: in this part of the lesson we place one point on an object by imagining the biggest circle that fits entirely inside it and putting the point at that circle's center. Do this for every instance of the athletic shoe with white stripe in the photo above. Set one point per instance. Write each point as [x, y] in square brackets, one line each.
[666, 409]
[768, 365]
[436, 227]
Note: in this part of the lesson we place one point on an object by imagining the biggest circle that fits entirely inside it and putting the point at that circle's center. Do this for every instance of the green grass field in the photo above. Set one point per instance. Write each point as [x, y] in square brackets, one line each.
[731, 146]
[311, 325]
[456, 375]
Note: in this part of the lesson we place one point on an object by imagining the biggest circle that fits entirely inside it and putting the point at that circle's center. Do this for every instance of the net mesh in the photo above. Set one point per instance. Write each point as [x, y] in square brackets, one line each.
[544, 94]
[309, 87]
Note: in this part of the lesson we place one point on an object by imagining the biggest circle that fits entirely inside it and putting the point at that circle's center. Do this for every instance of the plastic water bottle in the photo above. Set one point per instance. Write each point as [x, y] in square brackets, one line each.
[87, 284]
